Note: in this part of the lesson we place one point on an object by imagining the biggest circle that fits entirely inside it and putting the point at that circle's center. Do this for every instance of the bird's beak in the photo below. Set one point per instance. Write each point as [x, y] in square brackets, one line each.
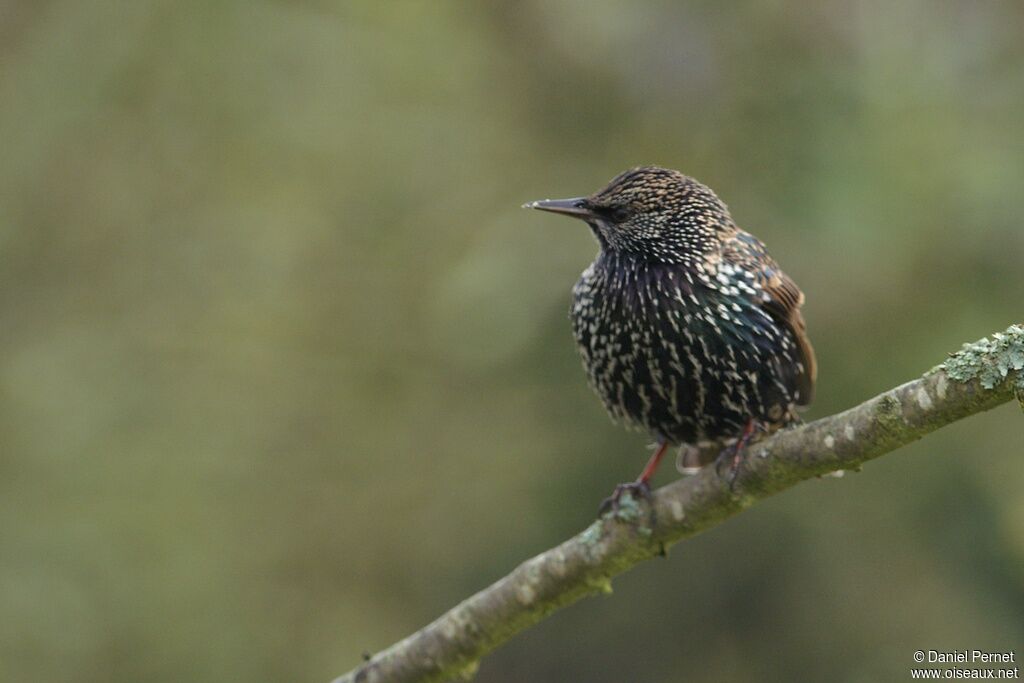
[575, 207]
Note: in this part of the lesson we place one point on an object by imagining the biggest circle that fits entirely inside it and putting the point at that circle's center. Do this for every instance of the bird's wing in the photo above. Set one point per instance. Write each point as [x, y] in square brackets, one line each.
[783, 301]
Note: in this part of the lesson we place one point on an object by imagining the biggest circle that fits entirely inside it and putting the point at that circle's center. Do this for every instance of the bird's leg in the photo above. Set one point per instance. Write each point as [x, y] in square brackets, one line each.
[652, 465]
[734, 454]
[642, 484]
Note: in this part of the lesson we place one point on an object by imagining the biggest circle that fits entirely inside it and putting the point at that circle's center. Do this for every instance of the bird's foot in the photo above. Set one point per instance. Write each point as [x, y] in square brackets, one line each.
[637, 489]
[733, 454]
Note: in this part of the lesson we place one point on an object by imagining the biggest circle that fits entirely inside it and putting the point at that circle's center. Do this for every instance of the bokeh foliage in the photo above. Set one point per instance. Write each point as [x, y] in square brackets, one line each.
[285, 371]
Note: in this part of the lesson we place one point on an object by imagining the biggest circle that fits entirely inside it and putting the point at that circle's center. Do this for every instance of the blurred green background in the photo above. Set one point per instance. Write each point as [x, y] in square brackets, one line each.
[285, 371]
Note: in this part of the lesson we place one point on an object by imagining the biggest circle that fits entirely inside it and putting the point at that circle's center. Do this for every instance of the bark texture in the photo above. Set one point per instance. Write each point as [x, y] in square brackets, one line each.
[980, 376]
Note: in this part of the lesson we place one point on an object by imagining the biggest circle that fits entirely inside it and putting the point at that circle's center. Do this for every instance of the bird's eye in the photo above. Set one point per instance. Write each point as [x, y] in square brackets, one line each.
[615, 213]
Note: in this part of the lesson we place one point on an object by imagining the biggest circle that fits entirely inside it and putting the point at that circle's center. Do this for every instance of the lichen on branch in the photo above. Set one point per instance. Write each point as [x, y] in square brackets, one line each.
[980, 376]
[990, 360]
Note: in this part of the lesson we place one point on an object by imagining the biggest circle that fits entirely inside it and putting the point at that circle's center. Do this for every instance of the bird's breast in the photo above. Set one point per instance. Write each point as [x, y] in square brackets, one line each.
[667, 352]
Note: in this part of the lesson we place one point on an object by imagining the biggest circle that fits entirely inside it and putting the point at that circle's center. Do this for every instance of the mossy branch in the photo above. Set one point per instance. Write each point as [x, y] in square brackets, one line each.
[978, 377]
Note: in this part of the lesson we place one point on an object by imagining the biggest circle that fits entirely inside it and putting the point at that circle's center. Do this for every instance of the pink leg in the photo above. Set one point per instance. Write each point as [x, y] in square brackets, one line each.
[652, 464]
[736, 450]
[641, 486]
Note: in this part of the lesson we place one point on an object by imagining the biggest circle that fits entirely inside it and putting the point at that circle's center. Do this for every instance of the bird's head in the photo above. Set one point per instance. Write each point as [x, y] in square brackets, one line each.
[653, 213]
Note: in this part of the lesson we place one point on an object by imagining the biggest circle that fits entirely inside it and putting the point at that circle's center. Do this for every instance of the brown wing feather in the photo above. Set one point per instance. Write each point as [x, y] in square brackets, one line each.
[785, 300]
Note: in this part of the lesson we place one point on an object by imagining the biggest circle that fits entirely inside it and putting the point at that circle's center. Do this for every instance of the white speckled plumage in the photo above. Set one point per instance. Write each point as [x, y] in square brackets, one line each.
[686, 326]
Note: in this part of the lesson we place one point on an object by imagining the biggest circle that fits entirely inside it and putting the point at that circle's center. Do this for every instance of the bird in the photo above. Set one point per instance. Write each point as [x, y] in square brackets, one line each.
[686, 326]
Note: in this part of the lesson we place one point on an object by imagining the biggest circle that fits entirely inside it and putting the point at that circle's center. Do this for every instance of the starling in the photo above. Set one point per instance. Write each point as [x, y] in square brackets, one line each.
[687, 328]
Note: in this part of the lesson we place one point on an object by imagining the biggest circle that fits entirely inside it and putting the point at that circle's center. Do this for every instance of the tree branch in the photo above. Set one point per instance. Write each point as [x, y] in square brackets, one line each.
[979, 377]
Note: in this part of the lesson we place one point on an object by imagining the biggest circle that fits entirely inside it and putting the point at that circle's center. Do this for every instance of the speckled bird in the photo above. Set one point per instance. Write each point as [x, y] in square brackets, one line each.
[687, 328]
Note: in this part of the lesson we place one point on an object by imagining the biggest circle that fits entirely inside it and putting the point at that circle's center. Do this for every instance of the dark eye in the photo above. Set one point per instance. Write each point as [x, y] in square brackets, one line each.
[615, 213]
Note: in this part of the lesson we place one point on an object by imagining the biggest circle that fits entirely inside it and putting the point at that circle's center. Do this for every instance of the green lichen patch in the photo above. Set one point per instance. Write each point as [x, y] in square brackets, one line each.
[889, 413]
[628, 509]
[467, 672]
[990, 360]
[592, 535]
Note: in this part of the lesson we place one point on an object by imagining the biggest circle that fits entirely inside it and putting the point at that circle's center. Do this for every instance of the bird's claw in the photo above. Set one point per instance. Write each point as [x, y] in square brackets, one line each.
[638, 488]
[733, 455]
